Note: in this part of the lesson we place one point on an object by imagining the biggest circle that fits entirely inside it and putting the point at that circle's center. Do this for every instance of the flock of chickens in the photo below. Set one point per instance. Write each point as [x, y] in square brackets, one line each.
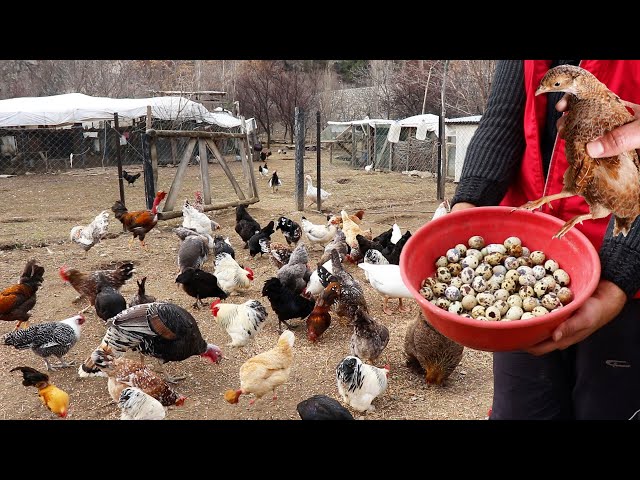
[144, 327]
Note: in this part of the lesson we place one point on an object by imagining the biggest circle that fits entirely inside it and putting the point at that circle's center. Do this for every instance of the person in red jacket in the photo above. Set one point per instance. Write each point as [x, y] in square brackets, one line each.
[590, 366]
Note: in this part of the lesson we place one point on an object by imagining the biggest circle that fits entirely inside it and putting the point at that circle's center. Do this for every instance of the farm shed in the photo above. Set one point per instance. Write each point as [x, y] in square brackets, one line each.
[43, 133]
[360, 140]
[459, 133]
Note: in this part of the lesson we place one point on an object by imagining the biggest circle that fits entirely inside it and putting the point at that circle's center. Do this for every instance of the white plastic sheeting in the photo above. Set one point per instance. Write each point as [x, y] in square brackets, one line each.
[58, 110]
[423, 124]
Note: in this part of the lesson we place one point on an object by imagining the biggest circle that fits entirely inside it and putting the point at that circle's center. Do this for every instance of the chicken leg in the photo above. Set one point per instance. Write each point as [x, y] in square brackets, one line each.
[385, 307]
[533, 204]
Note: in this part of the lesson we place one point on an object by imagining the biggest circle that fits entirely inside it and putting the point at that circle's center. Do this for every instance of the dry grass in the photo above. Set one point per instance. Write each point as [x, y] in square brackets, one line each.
[39, 211]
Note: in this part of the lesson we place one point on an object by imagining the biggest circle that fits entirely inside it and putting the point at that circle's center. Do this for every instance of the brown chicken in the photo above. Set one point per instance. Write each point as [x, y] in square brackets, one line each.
[139, 222]
[86, 284]
[608, 185]
[266, 371]
[429, 351]
[356, 217]
[351, 293]
[369, 338]
[16, 300]
[124, 372]
[320, 318]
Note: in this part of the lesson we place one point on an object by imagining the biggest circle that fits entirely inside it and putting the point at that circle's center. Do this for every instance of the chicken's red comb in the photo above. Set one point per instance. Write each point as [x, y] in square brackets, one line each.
[63, 272]
[387, 367]
[249, 270]
[215, 302]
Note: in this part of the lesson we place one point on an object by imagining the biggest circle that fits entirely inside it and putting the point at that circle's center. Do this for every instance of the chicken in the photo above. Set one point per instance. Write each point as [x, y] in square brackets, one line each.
[319, 320]
[86, 284]
[161, 330]
[369, 337]
[312, 192]
[442, 209]
[137, 405]
[279, 253]
[194, 248]
[197, 220]
[242, 322]
[318, 233]
[285, 303]
[263, 169]
[198, 203]
[131, 179]
[124, 372]
[109, 301]
[351, 292]
[386, 280]
[360, 383]
[89, 235]
[321, 407]
[17, 300]
[141, 296]
[369, 168]
[393, 254]
[275, 182]
[200, 284]
[258, 243]
[290, 229]
[364, 245]
[295, 274]
[338, 243]
[375, 257]
[232, 278]
[48, 339]
[223, 245]
[608, 185]
[351, 229]
[429, 351]
[319, 279]
[355, 218]
[266, 371]
[139, 222]
[396, 233]
[384, 238]
[246, 226]
[55, 399]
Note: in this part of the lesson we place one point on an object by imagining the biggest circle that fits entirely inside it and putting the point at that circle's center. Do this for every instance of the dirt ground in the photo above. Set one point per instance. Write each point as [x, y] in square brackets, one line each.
[39, 211]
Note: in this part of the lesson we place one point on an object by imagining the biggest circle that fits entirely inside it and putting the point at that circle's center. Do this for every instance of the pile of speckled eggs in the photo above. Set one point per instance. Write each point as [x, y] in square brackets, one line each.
[499, 281]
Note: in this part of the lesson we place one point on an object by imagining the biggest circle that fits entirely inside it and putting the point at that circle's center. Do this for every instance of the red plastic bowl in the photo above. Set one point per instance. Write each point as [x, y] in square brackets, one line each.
[573, 252]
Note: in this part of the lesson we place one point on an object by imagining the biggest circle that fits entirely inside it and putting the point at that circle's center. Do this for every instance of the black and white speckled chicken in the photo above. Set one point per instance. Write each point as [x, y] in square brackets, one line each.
[138, 405]
[369, 338]
[295, 274]
[291, 230]
[359, 383]
[49, 339]
[242, 322]
[609, 185]
[375, 257]
[223, 245]
[161, 330]
[351, 292]
[141, 296]
[279, 253]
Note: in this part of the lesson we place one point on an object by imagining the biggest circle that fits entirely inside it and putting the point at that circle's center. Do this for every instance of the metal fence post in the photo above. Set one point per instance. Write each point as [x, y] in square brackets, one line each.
[299, 166]
[318, 200]
[119, 158]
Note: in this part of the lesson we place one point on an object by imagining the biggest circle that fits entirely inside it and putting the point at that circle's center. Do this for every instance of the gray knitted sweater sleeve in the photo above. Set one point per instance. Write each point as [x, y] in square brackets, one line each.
[493, 157]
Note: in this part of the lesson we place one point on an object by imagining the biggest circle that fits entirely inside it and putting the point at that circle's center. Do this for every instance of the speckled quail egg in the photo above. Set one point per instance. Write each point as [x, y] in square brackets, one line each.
[540, 288]
[524, 270]
[454, 269]
[551, 265]
[514, 313]
[462, 249]
[514, 250]
[474, 252]
[443, 274]
[561, 277]
[526, 291]
[467, 289]
[527, 316]
[525, 251]
[452, 293]
[550, 282]
[512, 275]
[469, 301]
[502, 306]
[494, 258]
[527, 280]
[509, 285]
[539, 311]
[499, 270]
[443, 303]
[470, 261]
[478, 311]
[476, 242]
[537, 257]
[550, 301]
[442, 261]
[494, 283]
[539, 272]
[496, 248]
[514, 301]
[565, 295]
[525, 261]
[479, 284]
[426, 292]
[492, 313]
[453, 255]
[485, 299]
[511, 263]
[439, 288]
[456, 282]
[467, 275]
[529, 303]
[509, 241]
[501, 294]
[484, 270]
[456, 307]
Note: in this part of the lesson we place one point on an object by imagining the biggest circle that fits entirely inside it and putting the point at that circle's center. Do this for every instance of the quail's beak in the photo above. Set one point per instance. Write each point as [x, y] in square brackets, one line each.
[541, 89]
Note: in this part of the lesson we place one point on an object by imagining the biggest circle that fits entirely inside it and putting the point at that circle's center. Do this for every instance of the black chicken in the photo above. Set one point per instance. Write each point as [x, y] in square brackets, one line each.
[290, 229]
[321, 407]
[258, 243]
[109, 301]
[130, 178]
[200, 284]
[364, 245]
[392, 253]
[285, 303]
[384, 238]
[246, 225]
[221, 244]
[141, 296]
[161, 330]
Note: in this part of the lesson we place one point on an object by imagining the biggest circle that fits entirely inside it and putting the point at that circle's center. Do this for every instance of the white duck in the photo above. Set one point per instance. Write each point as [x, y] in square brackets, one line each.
[442, 209]
[386, 280]
[312, 192]
[368, 168]
[318, 233]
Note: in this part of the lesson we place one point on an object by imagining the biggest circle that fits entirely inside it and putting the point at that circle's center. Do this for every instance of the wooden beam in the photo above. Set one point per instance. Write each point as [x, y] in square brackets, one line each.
[177, 181]
[225, 167]
[247, 164]
[193, 134]
[204, 171]
[169, 215]
[154, 161]
[174, 151]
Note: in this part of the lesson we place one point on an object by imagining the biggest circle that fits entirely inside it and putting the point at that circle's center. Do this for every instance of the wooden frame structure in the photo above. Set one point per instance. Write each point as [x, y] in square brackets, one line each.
[204, 140]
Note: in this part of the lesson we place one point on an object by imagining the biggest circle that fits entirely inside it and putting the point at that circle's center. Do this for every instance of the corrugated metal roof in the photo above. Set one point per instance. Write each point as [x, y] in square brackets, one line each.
[471, 119]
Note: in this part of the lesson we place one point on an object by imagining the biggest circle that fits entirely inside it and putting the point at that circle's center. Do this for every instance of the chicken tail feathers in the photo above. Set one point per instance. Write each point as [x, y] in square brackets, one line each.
[31, 376]
[32, 274]
[622, 225]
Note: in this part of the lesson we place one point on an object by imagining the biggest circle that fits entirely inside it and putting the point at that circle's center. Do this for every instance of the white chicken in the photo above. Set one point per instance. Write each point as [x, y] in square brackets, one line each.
[396, 233]
[442, 209]
[386, 280]
[369, 168]
[321, 234]
[137, 405]
[312, 192]
[315, 286]
[88, 235]
[198, 221]
[242, 322]
[375, 257]
[360, 383]
[232, 278]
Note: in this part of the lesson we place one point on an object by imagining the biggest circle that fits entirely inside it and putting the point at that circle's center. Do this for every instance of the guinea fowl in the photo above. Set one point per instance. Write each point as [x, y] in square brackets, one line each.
[161, 330]
[609, 185]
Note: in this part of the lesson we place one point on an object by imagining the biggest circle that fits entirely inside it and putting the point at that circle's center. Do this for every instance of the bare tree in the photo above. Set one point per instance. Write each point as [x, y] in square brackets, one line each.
[469, 82]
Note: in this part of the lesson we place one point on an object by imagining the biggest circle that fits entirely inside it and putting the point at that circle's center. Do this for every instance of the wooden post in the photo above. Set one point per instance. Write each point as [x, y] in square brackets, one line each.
[299, 158]
[170, 201]
[319, 183]
[204, 171]
[154, 153]
[247, 166]
[442, 144]
[147, 169]
[225, 168]
[174, 151]
[119, 159]
[331, 153]
[353, 145]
